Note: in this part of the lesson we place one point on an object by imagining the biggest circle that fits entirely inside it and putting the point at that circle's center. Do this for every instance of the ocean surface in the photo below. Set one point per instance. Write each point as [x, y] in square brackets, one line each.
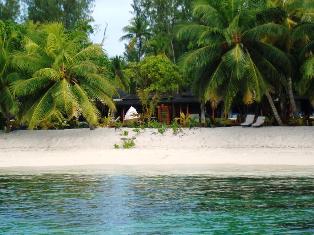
[104, 203]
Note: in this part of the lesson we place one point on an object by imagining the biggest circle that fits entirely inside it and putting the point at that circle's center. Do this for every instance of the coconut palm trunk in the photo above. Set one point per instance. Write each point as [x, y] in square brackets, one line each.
[273, 108]
[7, 127]
[203, 119]
[291, 97]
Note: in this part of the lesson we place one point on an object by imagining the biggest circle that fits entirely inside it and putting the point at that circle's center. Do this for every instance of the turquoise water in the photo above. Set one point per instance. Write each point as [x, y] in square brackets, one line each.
[124, 204]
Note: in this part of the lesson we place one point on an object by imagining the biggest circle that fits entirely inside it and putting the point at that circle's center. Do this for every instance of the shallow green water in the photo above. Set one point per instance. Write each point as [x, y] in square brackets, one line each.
[122, 204]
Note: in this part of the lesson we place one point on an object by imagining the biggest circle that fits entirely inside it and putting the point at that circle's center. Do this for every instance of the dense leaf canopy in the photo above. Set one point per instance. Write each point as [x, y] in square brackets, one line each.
[63, 80]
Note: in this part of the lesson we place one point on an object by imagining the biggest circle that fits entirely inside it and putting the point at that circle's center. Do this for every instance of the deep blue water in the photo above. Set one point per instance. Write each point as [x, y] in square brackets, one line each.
[124, 204]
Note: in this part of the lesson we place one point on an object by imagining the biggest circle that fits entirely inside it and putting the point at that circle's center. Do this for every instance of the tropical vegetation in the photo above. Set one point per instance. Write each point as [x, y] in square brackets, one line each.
[228, 53]
[62, 80]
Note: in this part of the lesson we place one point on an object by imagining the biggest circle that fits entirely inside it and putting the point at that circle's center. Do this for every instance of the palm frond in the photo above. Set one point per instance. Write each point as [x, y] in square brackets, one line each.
[236, 60]
[84, 67]
[218, 77]
[51, 45]
[30, 86]
[30, 46]
[87, 108]
[255, 80]
[200, 58]
[308, 69]
[42, 109]
[306, 51]
[303, 31]
[99, 82]
[65, 99]
[93, 51]
[276, 56]
[207, 14]
[271, 30]
[98, 94]
[191, 31]
[27, 63]
[48, 73]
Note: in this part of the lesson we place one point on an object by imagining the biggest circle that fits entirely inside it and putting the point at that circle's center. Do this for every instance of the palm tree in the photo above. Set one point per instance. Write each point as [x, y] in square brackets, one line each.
[8, 103]
[136, 33]
[117, 68]
[305, 45]
[63, 81]
[229, 55]
[290, 13]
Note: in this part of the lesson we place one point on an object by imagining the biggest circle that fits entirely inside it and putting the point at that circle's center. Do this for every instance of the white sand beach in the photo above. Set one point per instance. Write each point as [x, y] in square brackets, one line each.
[275, 146]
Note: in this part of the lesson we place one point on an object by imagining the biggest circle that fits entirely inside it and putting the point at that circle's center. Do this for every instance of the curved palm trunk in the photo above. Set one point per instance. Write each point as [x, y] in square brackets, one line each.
[273, 108]
[291, 97]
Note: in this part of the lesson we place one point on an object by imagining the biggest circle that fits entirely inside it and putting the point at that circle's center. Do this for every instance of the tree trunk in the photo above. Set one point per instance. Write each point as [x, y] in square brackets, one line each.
[291, 97]
[273, 108]
[213, 113]
[203, 119]
[139, 51]
[7, 127]
[173, 53]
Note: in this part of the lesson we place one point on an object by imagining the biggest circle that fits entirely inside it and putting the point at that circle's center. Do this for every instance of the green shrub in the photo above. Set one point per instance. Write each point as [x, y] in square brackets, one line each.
[223, 122]
[128, 144]
[176, 128]
[125, 133]
[117, 124]
[184, 119]
[194, 123]
[298, 121]
[162, 129]
[154, 124]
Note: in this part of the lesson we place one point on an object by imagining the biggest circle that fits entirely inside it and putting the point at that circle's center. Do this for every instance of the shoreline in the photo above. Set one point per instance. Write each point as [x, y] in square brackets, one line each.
[269, 146]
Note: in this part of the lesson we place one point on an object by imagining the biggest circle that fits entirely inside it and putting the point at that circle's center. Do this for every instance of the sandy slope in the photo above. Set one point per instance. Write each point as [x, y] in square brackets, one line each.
[243, 146]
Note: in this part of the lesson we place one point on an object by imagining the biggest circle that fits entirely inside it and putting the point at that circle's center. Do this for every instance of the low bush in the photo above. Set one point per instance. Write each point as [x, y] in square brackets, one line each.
[162, 129]
[176, 128]
[128, 143]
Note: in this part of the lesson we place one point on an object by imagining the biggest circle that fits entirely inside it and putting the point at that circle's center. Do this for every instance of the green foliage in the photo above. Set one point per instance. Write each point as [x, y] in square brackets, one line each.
[128, 143]
[296, 121]
[184, 120]
[9, 42]
[136, 34]
[148, 103]
[304, 40]
[223, 122]
[9, 10]
[117, 67]
[158, 74]
[117, 124]
[125, 133]
[153, 124]
[72, 13]
[63, 80]
[116, 146]
[160, 17]
[52, 76]
[229, 53]
[153, 77]
[176, 129]
[162, 129]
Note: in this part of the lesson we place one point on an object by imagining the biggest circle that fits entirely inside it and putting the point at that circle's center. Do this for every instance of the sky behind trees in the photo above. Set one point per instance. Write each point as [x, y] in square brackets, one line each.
[117, 14]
